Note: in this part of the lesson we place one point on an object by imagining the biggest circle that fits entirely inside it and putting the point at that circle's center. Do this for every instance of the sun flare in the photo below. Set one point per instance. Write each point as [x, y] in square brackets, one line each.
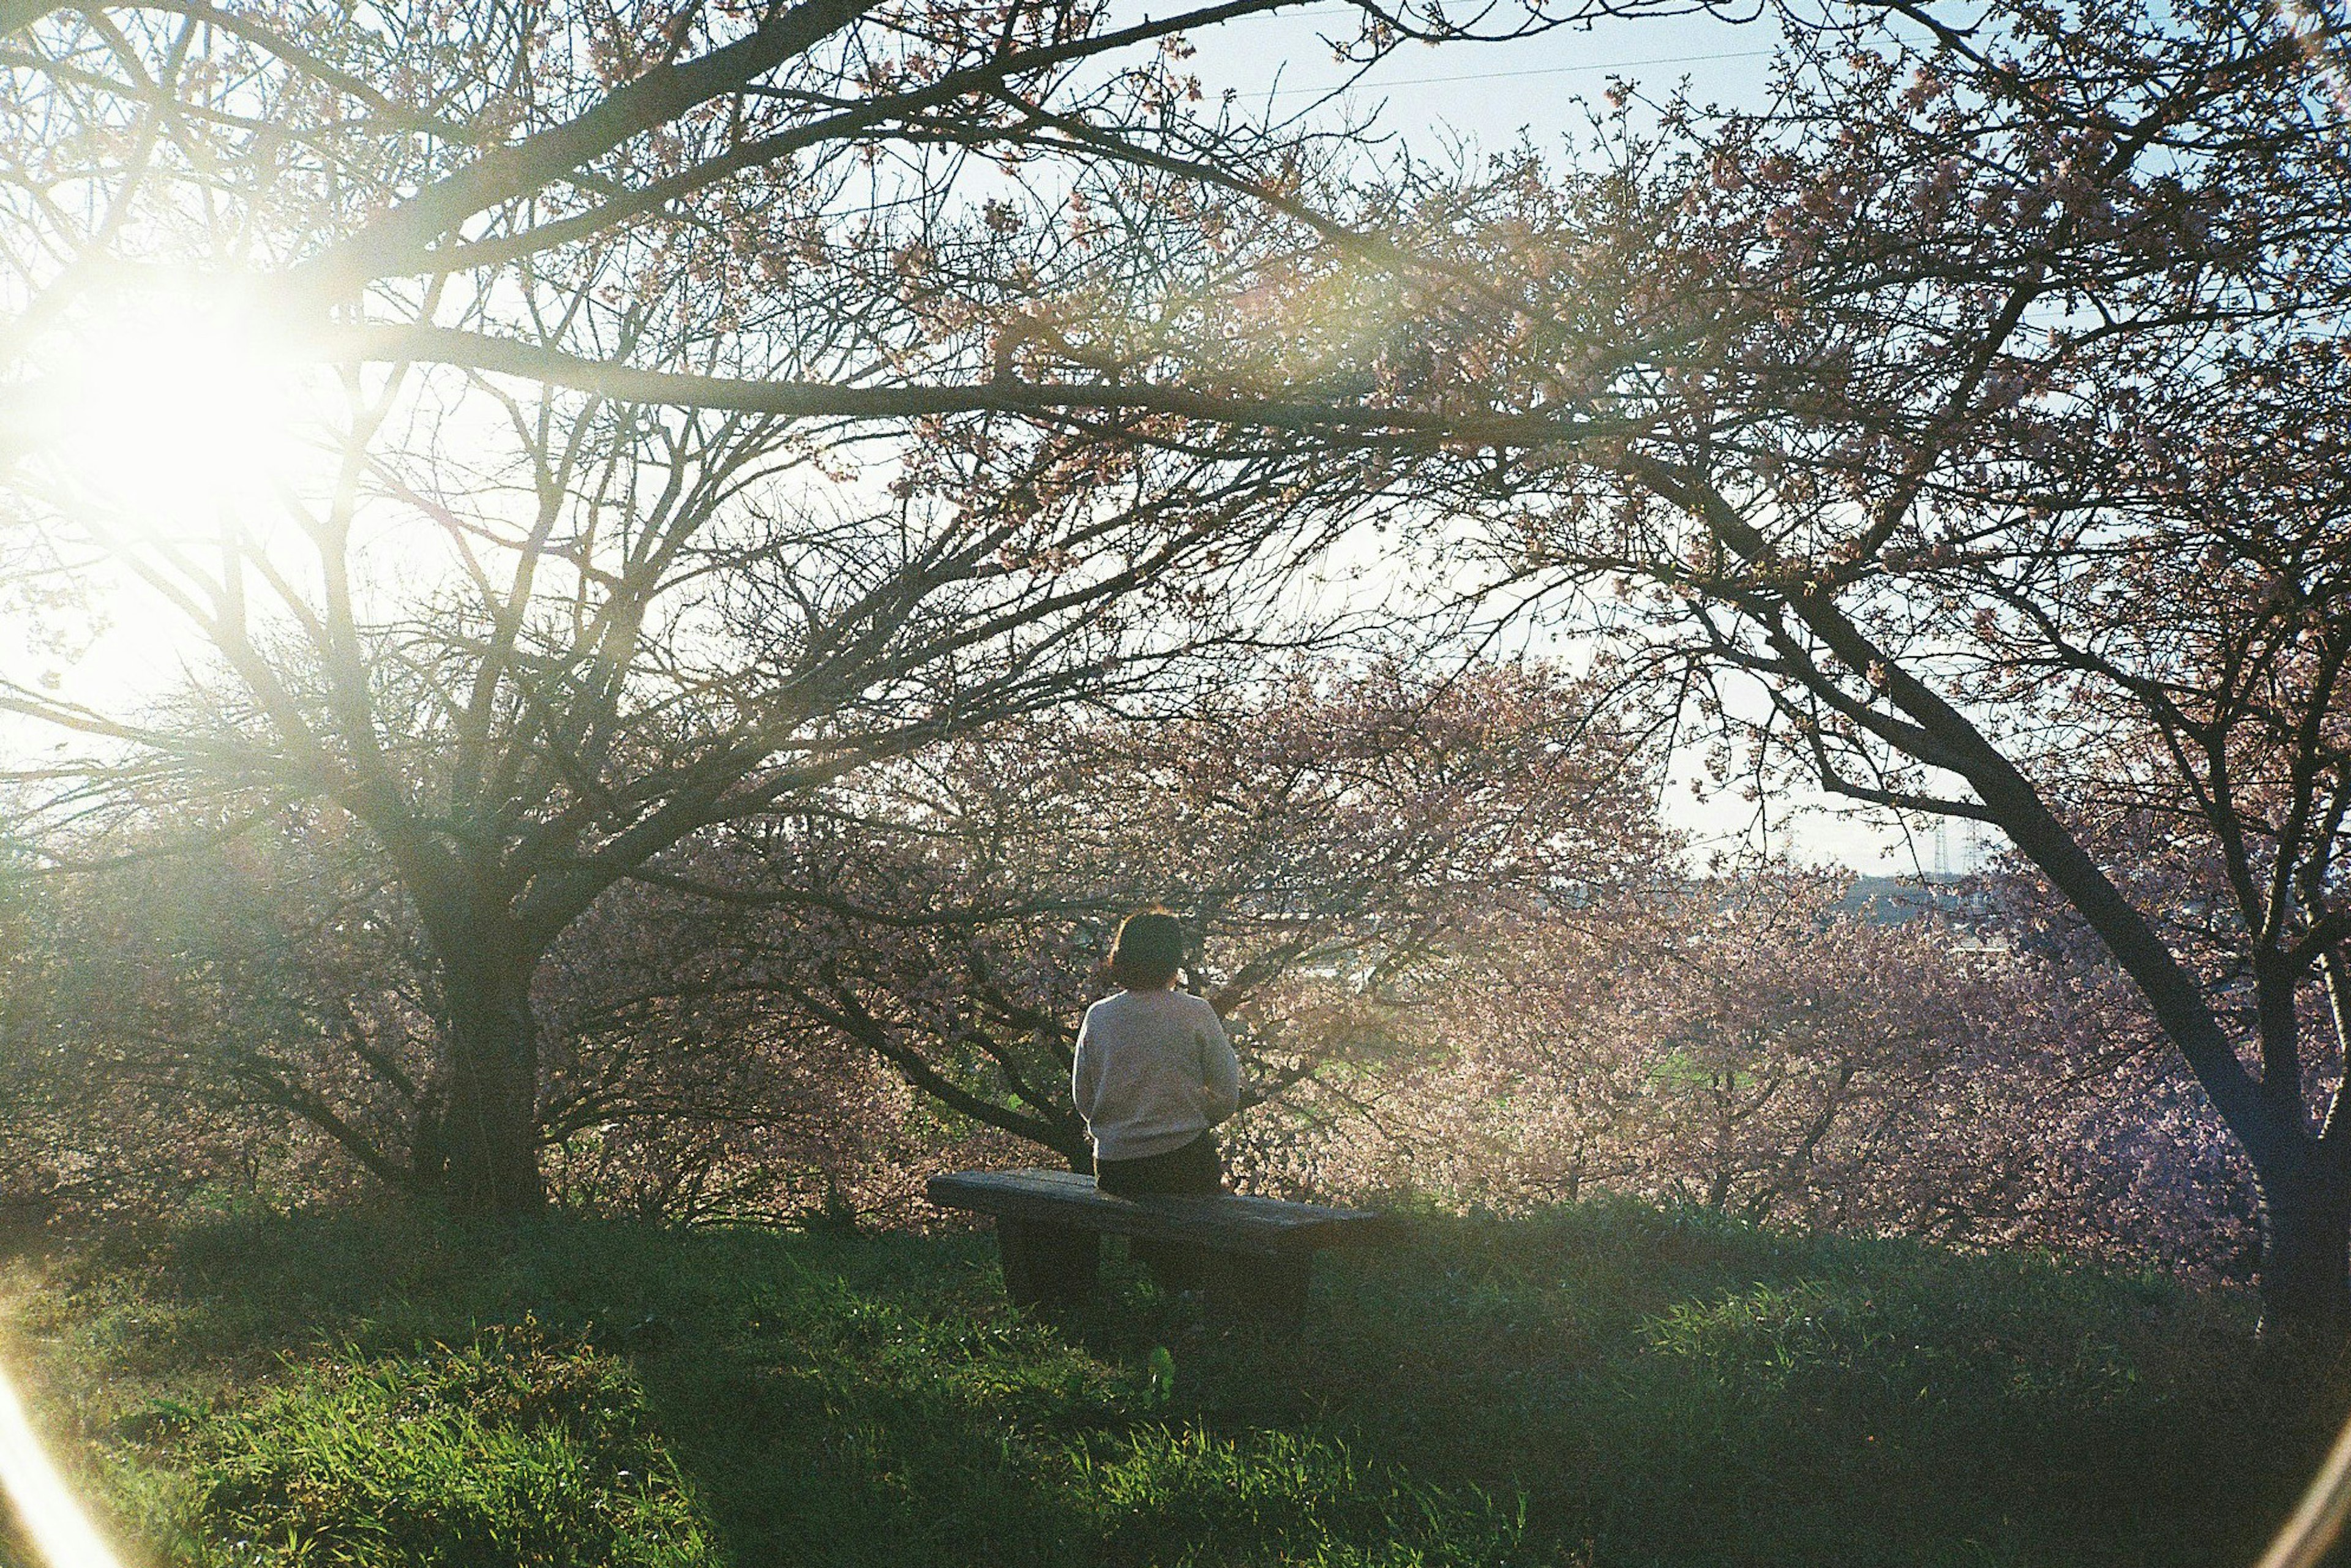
[169, 410]
[157, 425]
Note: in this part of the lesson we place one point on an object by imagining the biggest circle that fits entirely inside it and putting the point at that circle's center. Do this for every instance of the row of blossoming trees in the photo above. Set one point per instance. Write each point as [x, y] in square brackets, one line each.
[807, 508]
[1457, 955]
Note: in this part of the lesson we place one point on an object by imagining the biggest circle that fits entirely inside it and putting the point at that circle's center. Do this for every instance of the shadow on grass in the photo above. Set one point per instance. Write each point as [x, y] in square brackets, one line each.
[1607, 1383]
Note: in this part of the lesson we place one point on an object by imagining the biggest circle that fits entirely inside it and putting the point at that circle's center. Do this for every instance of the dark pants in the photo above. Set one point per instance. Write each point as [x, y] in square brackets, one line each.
[1196, 1168]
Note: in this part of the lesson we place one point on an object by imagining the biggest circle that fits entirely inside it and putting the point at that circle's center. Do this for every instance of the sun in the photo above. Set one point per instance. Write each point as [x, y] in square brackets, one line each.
[169, 409]
[156, 440]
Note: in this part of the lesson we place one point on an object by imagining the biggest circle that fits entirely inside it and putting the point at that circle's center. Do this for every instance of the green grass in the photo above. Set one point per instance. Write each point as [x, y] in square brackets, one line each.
[1605, 1384]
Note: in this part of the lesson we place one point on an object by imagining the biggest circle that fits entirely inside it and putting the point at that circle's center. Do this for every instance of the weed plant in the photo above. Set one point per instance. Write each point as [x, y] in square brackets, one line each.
[1605, 1384]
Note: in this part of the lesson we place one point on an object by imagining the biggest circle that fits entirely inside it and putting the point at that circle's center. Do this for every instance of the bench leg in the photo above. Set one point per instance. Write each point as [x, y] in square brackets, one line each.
[1047, 1265]
[1272, 1291]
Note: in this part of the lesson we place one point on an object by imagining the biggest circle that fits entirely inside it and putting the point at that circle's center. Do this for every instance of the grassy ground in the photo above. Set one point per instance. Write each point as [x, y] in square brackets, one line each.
[1605, 1384]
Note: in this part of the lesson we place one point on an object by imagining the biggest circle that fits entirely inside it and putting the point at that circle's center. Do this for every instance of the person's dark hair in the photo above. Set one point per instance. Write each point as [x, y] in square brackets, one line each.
[1150, 950]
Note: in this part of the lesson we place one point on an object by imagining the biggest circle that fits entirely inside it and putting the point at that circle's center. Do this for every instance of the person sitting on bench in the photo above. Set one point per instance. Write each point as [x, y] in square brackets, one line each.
[1153, 1071]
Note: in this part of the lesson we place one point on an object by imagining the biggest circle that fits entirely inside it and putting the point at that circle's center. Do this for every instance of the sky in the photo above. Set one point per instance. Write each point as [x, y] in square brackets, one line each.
[1488, 93]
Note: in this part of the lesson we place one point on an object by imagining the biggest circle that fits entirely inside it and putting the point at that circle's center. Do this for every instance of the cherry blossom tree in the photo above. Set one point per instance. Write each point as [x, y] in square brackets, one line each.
[1766, 1053]
[884, 205]
[735, 1026]
[237, 1016]
[639, 627]
[259, 1015]
[1332, 842]
[1979, 454]
[1906, 403]
[715, 400]
[1761, 1042]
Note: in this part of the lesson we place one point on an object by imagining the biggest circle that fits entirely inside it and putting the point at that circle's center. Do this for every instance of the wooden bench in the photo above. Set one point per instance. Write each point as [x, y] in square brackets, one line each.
[1258, 1252]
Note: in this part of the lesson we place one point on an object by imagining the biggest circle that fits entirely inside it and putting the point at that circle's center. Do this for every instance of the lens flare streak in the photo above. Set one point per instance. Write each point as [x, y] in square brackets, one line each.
[43, 1505]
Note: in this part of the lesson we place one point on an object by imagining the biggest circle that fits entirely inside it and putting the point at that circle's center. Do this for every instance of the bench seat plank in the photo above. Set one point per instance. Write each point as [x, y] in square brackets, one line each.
[1225, 1223]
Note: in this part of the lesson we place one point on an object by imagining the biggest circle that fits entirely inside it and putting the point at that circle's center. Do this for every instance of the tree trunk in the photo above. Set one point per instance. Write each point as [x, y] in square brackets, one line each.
[2305, 1278]
[481, 1153]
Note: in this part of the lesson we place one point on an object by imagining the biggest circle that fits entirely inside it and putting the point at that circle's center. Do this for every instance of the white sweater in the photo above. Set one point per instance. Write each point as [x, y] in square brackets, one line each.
[1154, 1071]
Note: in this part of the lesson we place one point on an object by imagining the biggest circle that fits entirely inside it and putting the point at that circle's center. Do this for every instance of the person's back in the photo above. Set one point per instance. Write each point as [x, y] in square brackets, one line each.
[1153, 1071]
